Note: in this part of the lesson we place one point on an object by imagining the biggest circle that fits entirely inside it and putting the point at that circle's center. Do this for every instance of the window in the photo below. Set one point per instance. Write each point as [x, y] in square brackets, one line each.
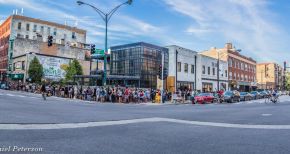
[73, 35]
[230, 62]
[213, 71]
[14, 66]
[27, 27]
[192, 69]
[203, 69]
[179, 67]
[19, 25]
[48, 30]
[54, 31]
[230, 75]
[41, 29]
[234, 76]
[27, 36]
[243, 66]
[186, 68]
[23, 65]
[34, 28]
[226, 73]
[208, 70]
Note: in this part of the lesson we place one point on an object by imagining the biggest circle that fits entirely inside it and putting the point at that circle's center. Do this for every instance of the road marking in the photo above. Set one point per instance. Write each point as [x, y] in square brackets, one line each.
[133, 121]
[10, 95]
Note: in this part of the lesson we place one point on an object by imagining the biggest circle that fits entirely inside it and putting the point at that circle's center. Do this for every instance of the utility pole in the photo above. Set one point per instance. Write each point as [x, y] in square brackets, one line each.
[218, 72]
[162, 76]
[106, 17]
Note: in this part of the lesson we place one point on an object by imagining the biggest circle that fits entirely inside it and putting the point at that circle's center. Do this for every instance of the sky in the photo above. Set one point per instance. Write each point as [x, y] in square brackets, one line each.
[260, 28]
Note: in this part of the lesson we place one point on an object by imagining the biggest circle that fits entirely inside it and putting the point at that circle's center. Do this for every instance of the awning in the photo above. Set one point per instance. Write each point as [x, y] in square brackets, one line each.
[243, 83]
[18, 76]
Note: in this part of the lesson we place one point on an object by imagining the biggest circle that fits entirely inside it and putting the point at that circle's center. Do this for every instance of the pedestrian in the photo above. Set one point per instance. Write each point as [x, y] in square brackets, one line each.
[126, 95]
[120, 94]
[43, 91]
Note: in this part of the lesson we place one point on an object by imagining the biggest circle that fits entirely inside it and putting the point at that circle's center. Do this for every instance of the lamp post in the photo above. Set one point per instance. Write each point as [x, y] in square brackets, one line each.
[106, 17]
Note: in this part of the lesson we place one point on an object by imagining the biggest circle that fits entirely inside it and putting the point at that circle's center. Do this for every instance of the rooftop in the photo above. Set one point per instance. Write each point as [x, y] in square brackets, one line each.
[74, 29]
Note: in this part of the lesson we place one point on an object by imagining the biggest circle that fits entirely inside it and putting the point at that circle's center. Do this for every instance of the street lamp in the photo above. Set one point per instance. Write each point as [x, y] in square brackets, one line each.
[106, 17]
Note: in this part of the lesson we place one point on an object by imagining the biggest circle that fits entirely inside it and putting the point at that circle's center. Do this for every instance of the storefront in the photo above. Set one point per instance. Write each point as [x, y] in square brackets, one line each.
[244, 86]
[207, 87]
[182, 85]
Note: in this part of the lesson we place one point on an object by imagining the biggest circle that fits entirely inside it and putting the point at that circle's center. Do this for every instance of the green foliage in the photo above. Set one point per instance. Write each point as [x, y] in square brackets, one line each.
[73, 69]
[35, 70]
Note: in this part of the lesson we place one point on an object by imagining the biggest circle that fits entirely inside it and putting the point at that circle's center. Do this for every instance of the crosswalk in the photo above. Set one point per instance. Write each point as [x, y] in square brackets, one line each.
[17, 95]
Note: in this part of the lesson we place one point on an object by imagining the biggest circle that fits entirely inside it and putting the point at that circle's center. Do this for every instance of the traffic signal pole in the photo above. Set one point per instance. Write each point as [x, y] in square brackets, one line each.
[162, 80]
[106, 17]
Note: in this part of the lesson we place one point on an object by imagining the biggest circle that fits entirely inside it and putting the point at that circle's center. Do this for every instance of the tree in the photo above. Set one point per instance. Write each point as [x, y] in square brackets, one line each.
[35, 70]
[74, 68]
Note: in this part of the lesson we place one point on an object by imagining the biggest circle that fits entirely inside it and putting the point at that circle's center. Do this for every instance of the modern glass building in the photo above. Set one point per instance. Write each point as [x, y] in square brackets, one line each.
[139, 60]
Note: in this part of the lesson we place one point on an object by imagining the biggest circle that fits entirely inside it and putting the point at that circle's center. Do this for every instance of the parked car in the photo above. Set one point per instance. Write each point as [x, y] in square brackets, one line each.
[256, 95]
[231, 96]
[4, 86]
[264, 94]
[203, 98]
[245, 96]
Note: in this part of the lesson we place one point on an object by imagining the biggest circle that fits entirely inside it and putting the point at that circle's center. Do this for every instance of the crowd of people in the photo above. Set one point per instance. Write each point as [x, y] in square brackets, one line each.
[113, 94]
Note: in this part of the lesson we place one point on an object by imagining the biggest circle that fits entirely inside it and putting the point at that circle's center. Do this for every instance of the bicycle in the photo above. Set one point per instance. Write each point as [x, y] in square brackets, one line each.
[272, 98]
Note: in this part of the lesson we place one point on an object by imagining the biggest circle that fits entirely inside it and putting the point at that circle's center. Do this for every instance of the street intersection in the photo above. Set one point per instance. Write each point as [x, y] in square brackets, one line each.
[71, 126]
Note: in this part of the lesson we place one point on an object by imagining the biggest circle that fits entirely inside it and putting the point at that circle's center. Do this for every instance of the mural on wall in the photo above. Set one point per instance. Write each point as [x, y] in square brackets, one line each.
[53, 68]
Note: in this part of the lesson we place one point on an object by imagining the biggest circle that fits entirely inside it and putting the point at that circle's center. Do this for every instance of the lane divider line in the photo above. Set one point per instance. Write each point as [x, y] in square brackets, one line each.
[134, 121]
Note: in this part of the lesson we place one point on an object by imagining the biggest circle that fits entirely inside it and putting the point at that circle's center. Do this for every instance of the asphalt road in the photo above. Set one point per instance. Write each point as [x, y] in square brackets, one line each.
[245, 127]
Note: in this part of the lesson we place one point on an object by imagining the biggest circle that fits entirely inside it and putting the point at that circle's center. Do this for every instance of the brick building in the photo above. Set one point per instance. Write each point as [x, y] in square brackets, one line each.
[241, 69]
[23, 37]
[5, 31]
[269, 76]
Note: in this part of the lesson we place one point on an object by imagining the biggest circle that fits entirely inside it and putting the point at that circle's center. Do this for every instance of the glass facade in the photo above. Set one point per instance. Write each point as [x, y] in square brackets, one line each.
[138, 59]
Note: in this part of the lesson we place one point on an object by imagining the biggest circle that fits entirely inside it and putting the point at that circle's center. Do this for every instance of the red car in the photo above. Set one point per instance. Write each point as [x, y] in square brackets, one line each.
[203, 98]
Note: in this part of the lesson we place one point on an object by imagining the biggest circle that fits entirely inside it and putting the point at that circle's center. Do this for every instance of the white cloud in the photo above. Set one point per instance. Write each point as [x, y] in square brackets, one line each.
[197, 31]
[249, 23]
[121, 28]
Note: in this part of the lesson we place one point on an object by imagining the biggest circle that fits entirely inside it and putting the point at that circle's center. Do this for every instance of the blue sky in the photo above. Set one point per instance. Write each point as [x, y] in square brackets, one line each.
[259, 27]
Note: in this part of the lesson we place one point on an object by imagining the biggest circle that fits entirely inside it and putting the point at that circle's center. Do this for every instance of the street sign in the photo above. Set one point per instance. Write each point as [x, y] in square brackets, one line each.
[99, 52]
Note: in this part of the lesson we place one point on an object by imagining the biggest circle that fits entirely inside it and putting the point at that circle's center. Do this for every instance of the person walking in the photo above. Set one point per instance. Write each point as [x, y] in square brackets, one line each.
[43, 91]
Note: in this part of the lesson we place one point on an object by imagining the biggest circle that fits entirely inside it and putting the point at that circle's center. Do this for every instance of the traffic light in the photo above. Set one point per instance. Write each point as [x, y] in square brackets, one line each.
[49, 40]
[165, 73]
[160, 72]
[93, 49]
[285, 66]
